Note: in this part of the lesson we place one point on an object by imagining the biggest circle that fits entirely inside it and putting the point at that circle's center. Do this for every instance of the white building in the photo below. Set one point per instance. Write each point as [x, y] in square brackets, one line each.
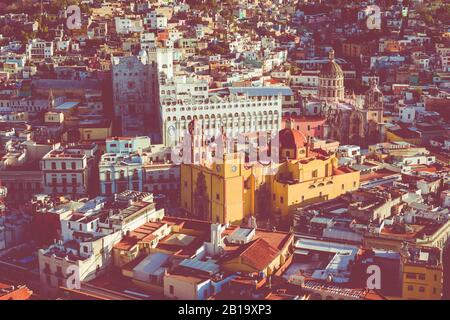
[307, 78]
[349, 151]
[132, 164]
[89, 232]
[148, 40]
[156, 21]
[123, 145]
[181, 86]
[445, 198]
[408, 114]
[38, 49]
[26, 105]
[229, 110]
[67, 171]
[163, 57]
[125, 25]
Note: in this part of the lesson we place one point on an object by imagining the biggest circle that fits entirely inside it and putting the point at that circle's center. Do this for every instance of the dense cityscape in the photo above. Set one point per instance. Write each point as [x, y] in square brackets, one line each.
[224, 150]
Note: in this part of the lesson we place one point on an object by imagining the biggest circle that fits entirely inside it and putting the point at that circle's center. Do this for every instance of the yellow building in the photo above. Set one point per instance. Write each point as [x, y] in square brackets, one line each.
[422, 274]
[95, 132]
[403, 135]
[222, 191]
[229, 191]
[88, 130]
[306, 176]
[314, 179]
[54, 117]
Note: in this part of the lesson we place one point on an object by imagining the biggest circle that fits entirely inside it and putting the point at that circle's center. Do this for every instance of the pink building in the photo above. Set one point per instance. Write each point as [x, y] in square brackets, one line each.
[311, 126]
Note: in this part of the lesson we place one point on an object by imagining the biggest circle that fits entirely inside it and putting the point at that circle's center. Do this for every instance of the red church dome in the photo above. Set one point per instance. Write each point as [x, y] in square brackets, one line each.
[292, 139]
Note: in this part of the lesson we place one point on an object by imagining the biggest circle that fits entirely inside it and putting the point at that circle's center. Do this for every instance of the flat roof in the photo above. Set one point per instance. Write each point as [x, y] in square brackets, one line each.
[67, 105]
[262, 91]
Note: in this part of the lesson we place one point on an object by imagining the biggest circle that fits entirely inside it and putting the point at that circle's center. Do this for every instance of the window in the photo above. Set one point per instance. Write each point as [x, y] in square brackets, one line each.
[53, 166]
[410, 288]
[281, 200]
[421, 276]
[217, 196]
[435, 277]
[314, 173]
[63, 166]
[171, 289]
[73, 165]
[421, 289]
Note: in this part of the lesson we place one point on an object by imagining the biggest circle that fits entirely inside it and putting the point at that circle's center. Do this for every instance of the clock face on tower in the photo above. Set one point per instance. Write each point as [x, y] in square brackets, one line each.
[233, 169]
[131, 85]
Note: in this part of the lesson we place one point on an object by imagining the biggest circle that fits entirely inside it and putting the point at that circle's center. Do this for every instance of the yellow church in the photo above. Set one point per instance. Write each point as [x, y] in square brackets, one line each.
[231, 190]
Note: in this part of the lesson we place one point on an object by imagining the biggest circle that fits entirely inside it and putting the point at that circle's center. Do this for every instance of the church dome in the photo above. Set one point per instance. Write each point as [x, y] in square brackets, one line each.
[331, 69]
[291, 139]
